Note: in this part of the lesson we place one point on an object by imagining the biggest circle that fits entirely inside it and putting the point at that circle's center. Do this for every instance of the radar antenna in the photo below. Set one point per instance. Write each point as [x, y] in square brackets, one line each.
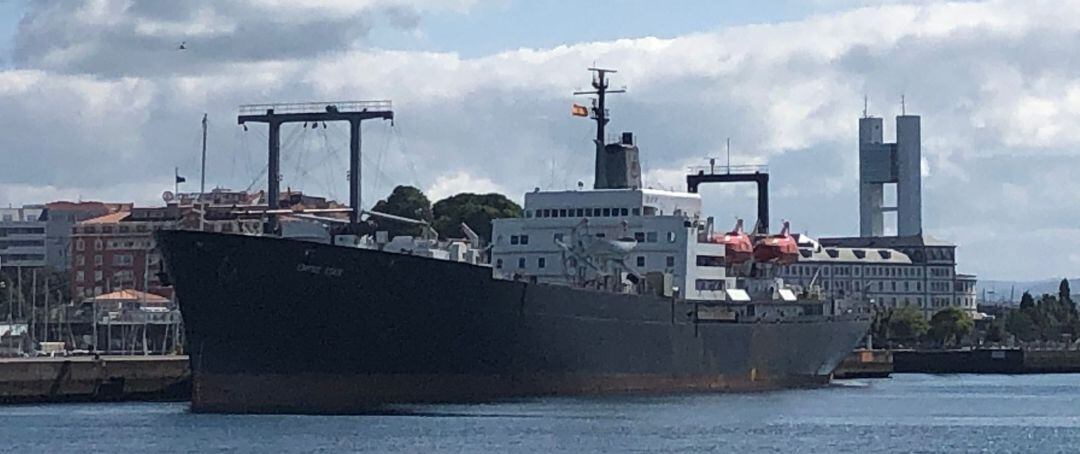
[599, 109]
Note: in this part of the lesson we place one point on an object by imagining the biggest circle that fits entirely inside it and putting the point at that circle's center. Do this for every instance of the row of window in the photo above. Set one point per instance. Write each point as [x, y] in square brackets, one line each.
[582, 212]
[541, 262]
[12, 218]
[110, 229]
[854, 270]
[80, 245]
[709, 284]
[21, 257]
[940, 272]
[119, 276]
[118, 260]
[640, 237]
[21, 231]
[22, 243]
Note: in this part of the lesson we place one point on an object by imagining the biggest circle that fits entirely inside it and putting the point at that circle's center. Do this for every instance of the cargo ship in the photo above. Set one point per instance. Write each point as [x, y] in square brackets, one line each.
[617, 289]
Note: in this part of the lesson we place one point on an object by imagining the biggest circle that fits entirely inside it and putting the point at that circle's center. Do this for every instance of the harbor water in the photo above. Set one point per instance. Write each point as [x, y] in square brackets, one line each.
[906, 413]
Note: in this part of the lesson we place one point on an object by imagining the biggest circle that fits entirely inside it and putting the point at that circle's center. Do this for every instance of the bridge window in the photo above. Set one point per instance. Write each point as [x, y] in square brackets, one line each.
[580, 212]
[562, 213]
[639, 237]
[624, 211]
[670, 261]
[710, 260]
[641, 261]
[514, 239]
[650, 237]
[709, 284]
[558, 237]
[588, 212]
[637, 211]
[524, 239]
[521, 262]
[606, 212]
[541, 262]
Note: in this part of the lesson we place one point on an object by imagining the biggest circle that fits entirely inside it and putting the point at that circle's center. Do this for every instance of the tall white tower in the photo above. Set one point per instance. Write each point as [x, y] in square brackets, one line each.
[881, 163]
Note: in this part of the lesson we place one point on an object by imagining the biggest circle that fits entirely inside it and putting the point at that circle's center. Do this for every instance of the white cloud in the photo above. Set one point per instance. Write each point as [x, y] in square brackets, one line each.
[448, 185]
[97, 105]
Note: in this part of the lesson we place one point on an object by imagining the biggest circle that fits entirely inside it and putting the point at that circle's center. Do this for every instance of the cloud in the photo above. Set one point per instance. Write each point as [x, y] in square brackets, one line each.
[996, 83]
[448, 185]
[142, 37]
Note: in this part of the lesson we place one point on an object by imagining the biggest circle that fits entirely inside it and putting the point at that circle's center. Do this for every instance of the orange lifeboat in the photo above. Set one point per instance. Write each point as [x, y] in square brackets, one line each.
[737, 245]
[780, 248]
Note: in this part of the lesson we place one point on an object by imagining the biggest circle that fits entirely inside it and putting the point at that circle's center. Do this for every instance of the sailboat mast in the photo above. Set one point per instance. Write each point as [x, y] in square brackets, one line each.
[202, 179]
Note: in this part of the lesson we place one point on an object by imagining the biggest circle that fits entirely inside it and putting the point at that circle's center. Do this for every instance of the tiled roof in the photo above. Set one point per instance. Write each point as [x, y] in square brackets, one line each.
[110, 218]
[131, 295]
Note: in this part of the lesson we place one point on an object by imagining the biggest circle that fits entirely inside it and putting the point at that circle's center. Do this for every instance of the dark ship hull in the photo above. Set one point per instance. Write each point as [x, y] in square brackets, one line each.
[278, 325]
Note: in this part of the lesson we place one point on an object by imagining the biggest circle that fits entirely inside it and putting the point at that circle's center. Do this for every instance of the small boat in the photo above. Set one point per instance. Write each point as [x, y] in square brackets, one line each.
[780, 249]
[738, 246]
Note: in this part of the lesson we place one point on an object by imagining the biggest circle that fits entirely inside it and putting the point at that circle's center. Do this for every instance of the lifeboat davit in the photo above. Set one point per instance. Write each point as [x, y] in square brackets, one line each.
[780, 248]
[737, 245]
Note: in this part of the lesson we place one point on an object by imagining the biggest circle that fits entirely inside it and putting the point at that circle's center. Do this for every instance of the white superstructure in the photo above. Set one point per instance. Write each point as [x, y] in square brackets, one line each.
[612, 237]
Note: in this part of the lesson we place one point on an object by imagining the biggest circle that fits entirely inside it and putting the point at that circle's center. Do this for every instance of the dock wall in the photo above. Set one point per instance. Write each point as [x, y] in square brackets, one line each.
[90, 379]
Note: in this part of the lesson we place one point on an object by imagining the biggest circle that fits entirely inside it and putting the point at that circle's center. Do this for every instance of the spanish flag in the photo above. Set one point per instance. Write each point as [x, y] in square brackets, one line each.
[579, 110]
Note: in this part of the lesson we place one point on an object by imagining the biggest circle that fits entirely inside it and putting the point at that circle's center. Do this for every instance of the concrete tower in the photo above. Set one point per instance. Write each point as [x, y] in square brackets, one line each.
[881, 163]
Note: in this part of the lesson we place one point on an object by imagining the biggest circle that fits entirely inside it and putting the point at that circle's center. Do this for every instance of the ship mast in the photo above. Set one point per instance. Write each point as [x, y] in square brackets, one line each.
[202, 178]
[274, 115]
[599, 111]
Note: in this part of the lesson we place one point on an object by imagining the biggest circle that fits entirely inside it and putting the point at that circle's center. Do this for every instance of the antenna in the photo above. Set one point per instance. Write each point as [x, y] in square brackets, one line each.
[729, 155]
[599, 110]
[865, 106]
[903, 105]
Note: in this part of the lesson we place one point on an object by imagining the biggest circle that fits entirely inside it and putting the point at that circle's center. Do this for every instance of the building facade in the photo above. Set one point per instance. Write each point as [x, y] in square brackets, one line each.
[890, 272]
[908, 269]
[117, 251]
[60, 221]
[22, 237]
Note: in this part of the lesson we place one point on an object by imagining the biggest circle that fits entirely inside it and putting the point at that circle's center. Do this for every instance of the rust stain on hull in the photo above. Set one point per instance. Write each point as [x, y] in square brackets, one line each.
[340, 394]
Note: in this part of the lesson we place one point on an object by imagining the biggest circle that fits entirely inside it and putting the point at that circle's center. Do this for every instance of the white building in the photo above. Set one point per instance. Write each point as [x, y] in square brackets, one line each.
[889, 271]
[22, 236]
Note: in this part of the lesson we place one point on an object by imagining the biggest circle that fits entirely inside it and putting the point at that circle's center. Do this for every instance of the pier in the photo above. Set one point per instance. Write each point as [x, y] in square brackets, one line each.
[95, 379]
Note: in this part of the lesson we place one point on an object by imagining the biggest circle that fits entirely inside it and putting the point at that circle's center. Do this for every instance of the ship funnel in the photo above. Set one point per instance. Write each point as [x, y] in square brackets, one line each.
[619, 165]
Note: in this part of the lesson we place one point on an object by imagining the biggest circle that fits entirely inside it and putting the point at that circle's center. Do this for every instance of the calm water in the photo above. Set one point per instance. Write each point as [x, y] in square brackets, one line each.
[908, 413]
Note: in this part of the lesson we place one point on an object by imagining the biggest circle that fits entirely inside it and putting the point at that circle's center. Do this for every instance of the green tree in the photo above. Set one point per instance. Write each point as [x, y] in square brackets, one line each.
[1065, 294]
[904, 324]
[405, 201]
[1027, 301]
[907, 324]
[948, 326]
[474, 210]
[1020, 324]
[996, 332]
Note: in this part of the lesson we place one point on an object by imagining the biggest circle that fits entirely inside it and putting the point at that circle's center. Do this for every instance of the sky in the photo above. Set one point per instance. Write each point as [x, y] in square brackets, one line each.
[98, 102]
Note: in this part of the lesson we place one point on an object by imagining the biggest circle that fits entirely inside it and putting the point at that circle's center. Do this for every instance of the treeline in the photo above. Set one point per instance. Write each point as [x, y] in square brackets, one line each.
[445, 216]
[1052, 318]
[907, 327]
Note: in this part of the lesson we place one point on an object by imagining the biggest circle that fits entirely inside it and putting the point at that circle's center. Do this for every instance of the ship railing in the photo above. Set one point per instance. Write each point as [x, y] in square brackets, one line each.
[727, 170]
[315, 107]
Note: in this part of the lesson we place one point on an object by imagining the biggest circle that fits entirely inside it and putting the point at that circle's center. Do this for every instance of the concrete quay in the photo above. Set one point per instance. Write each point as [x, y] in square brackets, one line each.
[95, 379]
